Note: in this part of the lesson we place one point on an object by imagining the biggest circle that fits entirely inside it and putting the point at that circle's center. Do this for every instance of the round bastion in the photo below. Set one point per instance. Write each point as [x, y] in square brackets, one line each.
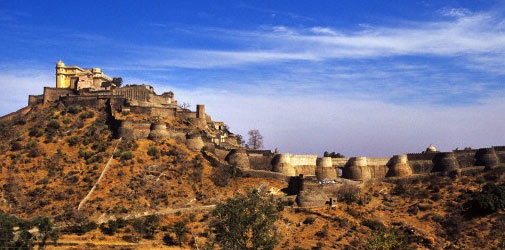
[357, 169]
[238, 158]
[159, 131]
[488, 158]
[195, 142]
[325, 169]
[399, 167]
[446, 162]
[281, 163]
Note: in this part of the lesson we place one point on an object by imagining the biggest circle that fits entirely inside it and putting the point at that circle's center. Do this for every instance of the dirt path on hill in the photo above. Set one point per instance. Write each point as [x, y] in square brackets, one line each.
[83, 201]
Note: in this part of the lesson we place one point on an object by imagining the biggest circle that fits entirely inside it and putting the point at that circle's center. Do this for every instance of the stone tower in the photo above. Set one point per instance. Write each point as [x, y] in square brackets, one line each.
[200, 111]
[60, 76]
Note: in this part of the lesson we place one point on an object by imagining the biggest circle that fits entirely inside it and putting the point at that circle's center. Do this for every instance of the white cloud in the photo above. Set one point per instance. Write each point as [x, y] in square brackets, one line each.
[312, 123]
[16, 86]
[478, 39]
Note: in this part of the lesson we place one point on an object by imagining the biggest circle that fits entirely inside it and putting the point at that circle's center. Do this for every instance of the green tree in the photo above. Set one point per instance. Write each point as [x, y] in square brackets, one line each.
[6, 231]
[46, 231]
[245, 222]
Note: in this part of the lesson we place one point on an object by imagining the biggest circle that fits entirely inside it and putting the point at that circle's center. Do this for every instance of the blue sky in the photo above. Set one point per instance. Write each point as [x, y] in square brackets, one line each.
[370, 78]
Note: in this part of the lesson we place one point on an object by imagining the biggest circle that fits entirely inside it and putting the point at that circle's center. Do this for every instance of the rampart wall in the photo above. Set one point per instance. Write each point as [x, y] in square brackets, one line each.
[54, 94]
[293, 165]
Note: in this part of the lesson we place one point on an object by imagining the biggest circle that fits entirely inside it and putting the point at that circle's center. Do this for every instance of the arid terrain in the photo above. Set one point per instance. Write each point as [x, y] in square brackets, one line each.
[53, 156]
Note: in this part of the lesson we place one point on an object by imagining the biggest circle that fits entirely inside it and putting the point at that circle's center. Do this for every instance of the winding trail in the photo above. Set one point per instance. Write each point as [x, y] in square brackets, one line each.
[83, 201]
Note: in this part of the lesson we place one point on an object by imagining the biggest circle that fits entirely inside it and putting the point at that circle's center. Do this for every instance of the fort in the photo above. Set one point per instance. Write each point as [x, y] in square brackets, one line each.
[137, 112]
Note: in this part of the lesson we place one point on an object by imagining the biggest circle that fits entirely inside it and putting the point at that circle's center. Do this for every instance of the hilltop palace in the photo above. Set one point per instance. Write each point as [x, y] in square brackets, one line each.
[137, 112]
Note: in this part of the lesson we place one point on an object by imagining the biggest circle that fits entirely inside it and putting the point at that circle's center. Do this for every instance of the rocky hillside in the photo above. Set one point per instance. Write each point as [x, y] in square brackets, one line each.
[53, 156]
[155, 191]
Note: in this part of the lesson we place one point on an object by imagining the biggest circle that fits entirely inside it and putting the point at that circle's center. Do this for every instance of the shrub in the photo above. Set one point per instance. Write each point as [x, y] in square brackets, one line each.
[309, 220]
[147, 226]
[180, 231]
[19, 121]
[489, 200]
[35, 132]
[386, 239]
[128, 155]
[252, 219]
[73, 140]
[94, 159]
[81, 229]
[53, 125]
[74, 110]
[374, 224]
[110, 228]
[169, 240]
[67, 121]
[349, 194]
[35, 152]
[221, 176]
[154, 152]
[16, 146]
[86, 115]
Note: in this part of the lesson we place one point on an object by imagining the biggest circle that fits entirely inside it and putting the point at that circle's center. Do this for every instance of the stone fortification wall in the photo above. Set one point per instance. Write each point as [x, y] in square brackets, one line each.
[160, 112]
[85, 101]
[54, 94]
[35, 99]
[293, 165]
[134, 130]
[466, 158]
[339, 162]
[500, 153]
[421, 163]
[137, 93]
[221, 153]
[260, 159]
[238, 158]
[325, 169]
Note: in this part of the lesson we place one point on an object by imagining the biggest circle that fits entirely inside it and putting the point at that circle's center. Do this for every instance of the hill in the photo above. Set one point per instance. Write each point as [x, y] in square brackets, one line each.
[65, 162]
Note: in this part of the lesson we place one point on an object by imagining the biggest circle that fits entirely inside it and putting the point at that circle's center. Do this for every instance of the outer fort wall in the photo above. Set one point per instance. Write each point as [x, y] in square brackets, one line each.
[134, 130]
[35, 99]
[466, 158]
[339, 162]
[163, 113]
[85, 101]
[293, 165]
[260, 161]
[54, 94]
[500, 153]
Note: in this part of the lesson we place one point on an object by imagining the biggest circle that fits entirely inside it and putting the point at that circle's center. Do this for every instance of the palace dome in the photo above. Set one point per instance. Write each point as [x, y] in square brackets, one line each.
[431, 148]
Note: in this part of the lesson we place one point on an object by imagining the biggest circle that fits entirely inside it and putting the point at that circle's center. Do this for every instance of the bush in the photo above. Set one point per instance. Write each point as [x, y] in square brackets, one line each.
[374, 225]
[74, 110]
[169, 240]
[16, 146]
[86, 115]
[110, 228]
[67, 121]
[489, 200]
[386, 239]
[147, 226]
[128, 155]
[53, 125]
[180, 231]
[73, 140]
[154, 152]
[35, 132]
[349, 194]
[251, 219]
[221, 175]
